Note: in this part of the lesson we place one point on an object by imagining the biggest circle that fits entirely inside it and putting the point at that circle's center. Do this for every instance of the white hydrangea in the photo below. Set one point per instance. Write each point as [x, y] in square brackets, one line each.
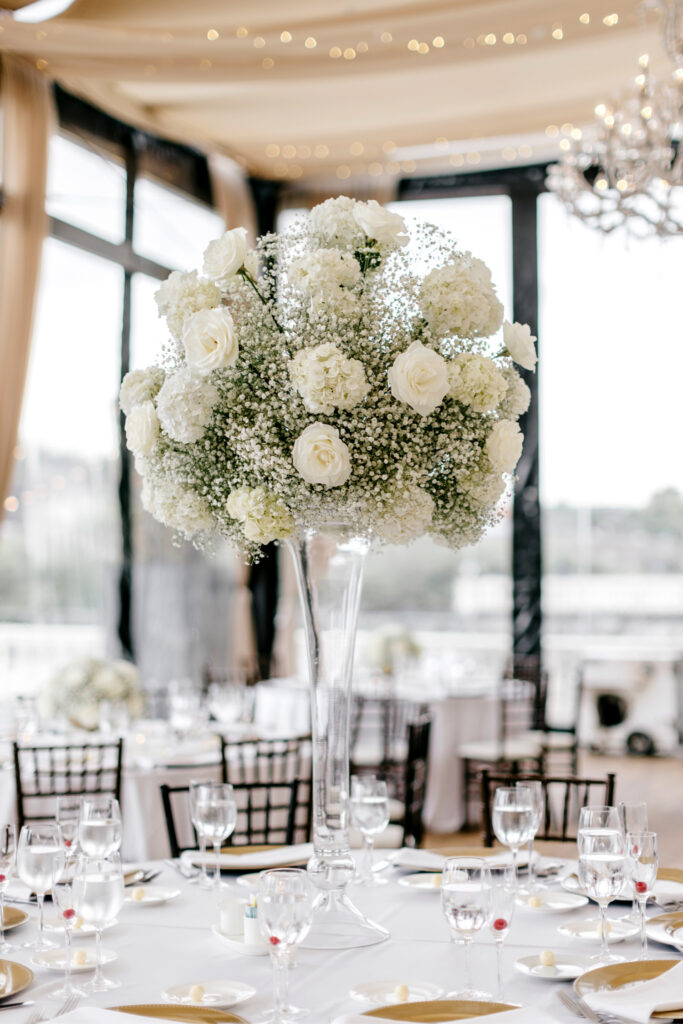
[380, 225]
[176, 506]
[408, 515]
[224, 256]
[460, 299]
[142, 428]
[504, 445]
[183, 294]
[327, 380]
[185, 404]
[517, 397]
[140, 386]
[334, 223]
[326, 277]
[263, 515]
[476, 381]
[484, 487]
[237, 503]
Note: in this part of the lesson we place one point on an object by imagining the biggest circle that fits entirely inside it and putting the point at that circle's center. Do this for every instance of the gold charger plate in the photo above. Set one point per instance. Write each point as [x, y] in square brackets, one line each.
[615, 976]
[246, 851]
[12, 917]
[187, 1014]
[670, 875]
[13, 978]
[439, 1010]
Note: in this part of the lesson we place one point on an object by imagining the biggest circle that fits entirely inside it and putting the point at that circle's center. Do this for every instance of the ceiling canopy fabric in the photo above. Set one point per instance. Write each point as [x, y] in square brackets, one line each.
[318, 90]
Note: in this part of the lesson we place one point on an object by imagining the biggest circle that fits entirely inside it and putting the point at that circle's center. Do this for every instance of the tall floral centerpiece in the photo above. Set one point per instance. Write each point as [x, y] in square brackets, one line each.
[335, 386]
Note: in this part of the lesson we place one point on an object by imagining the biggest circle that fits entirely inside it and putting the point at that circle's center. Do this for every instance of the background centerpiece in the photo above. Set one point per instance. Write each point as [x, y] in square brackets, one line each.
[333, 386]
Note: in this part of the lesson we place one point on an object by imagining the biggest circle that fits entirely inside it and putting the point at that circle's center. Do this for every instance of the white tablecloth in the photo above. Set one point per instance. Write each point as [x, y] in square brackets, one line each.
[173, 943]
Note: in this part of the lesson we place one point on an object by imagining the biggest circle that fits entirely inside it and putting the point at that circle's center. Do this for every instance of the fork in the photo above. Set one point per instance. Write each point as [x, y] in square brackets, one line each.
[185, 871]
[69, 1004]
[581, 1008]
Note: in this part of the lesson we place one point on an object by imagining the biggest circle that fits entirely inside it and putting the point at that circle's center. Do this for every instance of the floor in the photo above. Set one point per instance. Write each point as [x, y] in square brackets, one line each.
[656, 780]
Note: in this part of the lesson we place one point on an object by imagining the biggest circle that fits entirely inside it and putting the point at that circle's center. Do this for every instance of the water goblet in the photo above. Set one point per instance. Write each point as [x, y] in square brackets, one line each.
[535, 787]
[68, 816]
[503, 896]
[599, 820]
[214, 817]
[466, 900]
[195, 793]
[643, 861]
[285, 914]
[602, 874]
[370, 815]
[98, 892]
[35, 852]
[513, 818]
[99, 827]
[65, 897]
[633, 818]
[8, 851]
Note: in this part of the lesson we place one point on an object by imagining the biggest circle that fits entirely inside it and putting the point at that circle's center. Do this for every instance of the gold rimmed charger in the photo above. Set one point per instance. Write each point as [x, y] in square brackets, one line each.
[615, 976]
[249, 851]
[670, 875]
[13, 978]
[12, 917]
[439, 1010]
[186, 1014]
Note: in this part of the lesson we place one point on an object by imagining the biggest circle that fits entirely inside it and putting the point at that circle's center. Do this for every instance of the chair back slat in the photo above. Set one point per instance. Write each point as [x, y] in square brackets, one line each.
[416, 781]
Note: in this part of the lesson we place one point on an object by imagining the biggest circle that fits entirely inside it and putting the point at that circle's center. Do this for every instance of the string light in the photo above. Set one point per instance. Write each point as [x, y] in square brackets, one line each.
[310, 42]
[259, 42]
[349, 53]
[362, 47]
[343, 171]
[490, 39]
[288, 152]
[386, 37]
[585, 18]
[321, 151]
[438, 42]
[242, 32]
[509, 38]
[335, 52]
[356, 149]
[212, 34]
[557, 33]
[272, 149]
[285, 37]
[11, 503]
[610, 20]
[268, 63]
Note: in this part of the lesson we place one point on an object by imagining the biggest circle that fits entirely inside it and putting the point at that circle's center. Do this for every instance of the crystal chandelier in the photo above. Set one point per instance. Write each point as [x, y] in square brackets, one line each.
[626, 170]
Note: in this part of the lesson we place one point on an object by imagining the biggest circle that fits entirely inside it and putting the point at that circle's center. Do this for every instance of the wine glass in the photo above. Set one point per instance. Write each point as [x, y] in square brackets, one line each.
[633, 818]
[602, 873]
[285, 914]
[67, 817]
[98, 892]
[643, 861]
[502, 908]
[466, 900]
[513, 818]
[370, 815]
[99, 827]
[215, 816]
[8, 850]
[195, 792]
[35, 852]
[535, 787]
[599, 820]
[66, 900]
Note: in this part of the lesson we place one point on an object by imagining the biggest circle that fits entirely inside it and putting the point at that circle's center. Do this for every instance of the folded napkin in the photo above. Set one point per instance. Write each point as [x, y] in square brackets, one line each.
[639, 1001]
[523, 1015]
[427, 860]
[252, 861]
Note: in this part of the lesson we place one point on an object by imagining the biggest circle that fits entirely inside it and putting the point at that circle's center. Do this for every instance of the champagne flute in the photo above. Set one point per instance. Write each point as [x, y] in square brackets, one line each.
[466, 900]
[602, 873]
[35, 851]
[8, 851]
[215, 816]
[99, 827]
[535, 787]
[68, 817]
[643, 859]
[513, 818]
[285, 913]
[370, 815]
[502, 908]
[66, 900]
[98, 892]
[633, 818]
[195, 792]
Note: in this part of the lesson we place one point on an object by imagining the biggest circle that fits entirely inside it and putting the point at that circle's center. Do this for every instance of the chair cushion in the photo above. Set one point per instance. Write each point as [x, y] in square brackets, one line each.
[551, 740]
[514, 749]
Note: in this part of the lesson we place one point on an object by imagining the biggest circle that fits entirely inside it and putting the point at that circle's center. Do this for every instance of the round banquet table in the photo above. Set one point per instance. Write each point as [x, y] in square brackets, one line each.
[173, 943]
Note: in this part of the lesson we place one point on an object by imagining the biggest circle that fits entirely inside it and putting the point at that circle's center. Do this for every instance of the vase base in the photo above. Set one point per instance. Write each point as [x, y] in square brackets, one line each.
[339, 924]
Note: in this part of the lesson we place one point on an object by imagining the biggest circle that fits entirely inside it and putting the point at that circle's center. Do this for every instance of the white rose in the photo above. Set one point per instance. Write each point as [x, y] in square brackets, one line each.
[321, 457]
[142, 428]
[519, 341]
[210, 340]
[225, 256]
[385, 227]
[419, 377]
[238, 503]
[504, 445]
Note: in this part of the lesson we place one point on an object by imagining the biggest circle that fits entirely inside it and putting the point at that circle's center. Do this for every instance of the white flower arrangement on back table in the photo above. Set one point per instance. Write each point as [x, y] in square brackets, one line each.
[339, 372]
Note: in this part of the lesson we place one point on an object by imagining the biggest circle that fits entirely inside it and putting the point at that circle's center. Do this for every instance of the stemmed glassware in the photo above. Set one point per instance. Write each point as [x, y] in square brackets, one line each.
[67, 817]
[8, 850]
[98, 892]
[99, 827]
[285, 913]
[370, 815]
[466, 901]
[66, 900]
[643, 861]
[502, 908]
[215, 816]
[35, 852]
[602, 874]
[195, 793]
[633, 818]
[599, 820]
[513, 818]
[535, 787]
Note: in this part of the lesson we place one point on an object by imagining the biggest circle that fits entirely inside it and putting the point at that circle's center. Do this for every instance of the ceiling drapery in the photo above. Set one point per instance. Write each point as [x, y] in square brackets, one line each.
[311, 90]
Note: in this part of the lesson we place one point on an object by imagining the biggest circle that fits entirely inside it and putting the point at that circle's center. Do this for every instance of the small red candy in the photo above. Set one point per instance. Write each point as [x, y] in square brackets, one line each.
[640, 886]
[2, 878]
[274, 941]
[67, 842]
[500, 924]
[68, 914]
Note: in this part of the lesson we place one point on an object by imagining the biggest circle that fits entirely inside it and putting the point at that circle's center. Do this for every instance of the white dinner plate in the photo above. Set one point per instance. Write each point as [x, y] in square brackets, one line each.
[237, 944]
[656, 928]
[216, 993]
[551, 901]
[588, 930]
[566, 967]
[383, 993]
[663, 889]
[55, 959]
[55, 924]
[153, 896]
[431, 881]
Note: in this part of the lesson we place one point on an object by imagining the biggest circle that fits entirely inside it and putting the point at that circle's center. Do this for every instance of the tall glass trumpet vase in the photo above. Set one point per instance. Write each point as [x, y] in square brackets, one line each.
[329, 568]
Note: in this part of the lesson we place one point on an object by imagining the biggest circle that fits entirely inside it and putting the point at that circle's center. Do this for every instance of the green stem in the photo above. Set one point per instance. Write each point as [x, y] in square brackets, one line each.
[246, 276]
